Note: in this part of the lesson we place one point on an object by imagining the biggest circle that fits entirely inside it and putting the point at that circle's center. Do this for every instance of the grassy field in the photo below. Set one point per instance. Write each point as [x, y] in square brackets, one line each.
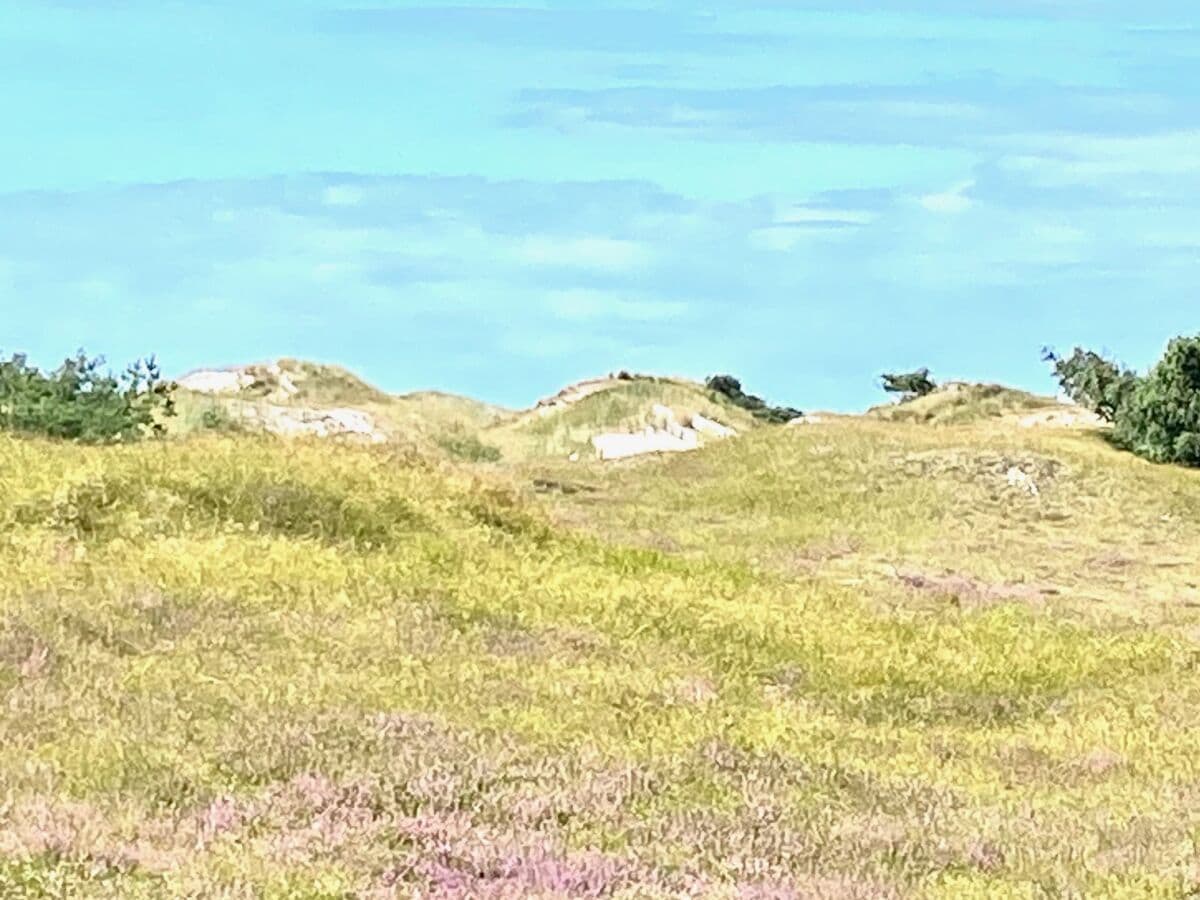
[864, 659]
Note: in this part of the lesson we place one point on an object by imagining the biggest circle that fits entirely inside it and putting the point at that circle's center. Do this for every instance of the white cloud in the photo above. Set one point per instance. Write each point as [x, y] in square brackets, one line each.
[951, 202]
[584, 304]
[796, 225]
[585, 253]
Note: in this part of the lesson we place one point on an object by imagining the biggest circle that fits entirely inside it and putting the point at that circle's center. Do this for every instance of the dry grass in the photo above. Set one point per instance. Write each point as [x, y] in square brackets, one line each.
[963, 404]
[427, 420]
[622, 406]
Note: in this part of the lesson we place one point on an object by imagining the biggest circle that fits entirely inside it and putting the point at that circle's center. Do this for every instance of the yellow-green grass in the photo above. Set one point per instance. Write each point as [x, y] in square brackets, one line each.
[315, 384]
[961, 404]
[233, 666]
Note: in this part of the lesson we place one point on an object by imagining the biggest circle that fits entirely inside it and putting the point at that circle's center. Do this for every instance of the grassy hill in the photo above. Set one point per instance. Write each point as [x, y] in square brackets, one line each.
[859, 659]
[316, 384]
[423, 419]
[463, 428]
[958, 403]
[439, 407]
[617, 405]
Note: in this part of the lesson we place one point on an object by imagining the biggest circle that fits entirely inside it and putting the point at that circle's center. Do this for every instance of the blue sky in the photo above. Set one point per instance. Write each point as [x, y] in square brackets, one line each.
[499, 198]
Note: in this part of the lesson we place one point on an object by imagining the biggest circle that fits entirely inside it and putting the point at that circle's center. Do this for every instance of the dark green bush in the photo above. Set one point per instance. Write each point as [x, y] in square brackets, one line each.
[731, 389]
[909, 385]
[1156, 416]
[81, 401]
[1092, 381]
[1159, 416]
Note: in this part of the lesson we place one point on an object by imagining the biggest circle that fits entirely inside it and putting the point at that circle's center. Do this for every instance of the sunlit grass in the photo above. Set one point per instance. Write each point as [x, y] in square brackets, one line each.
[233, 666]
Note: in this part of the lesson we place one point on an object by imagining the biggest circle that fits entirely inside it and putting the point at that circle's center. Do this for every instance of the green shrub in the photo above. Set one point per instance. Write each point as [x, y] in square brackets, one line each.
[777, 415]
[1159, 415]
[909, 385]
[731, 389]
[80, 401]
[1096, 383]
[1156, 416]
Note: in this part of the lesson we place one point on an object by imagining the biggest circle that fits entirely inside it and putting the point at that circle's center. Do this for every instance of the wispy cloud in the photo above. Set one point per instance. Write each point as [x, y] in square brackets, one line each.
[950, 202]
[601, 253]
[1092, 158]
[955, 112]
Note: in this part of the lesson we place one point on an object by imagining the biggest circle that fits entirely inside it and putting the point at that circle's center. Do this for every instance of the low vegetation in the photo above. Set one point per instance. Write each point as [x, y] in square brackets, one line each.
[731, 389]
[909, 385]
[82, 401]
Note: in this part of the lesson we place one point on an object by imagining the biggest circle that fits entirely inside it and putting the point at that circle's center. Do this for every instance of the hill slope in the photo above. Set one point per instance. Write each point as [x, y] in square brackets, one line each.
[960, 403]
[859, 659]
[566, 423]
[298, 398]
[295, 396]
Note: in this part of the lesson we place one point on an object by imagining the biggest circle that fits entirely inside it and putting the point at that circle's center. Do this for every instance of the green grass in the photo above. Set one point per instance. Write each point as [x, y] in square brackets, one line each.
[849, 659]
